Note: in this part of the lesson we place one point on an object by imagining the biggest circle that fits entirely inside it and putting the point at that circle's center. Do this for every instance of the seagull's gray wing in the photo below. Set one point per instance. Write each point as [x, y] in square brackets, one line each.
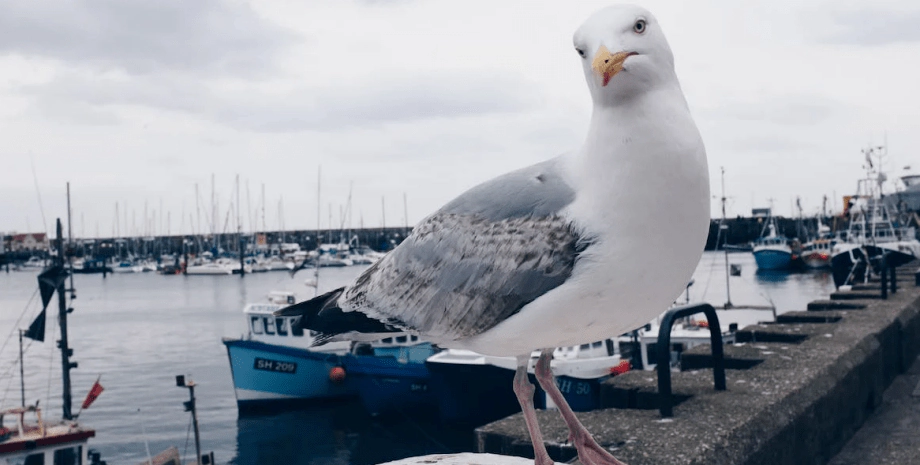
[476, 261]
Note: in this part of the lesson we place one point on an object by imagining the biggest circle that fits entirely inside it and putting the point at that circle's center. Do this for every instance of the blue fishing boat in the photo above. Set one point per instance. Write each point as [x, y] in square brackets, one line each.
[390, 375]
[275, 363]
[578, 370]
[772, 251]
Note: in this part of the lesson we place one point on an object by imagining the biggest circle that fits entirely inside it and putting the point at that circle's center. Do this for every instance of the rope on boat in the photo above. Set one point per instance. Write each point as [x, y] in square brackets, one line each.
[188, 433]
[19, 320]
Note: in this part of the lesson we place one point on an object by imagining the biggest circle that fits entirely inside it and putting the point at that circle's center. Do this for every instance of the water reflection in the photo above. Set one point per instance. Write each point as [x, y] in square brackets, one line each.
[771, 276]
[340, 434]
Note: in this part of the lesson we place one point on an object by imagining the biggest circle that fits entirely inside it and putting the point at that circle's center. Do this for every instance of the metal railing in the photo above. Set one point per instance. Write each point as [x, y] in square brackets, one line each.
[665, 401]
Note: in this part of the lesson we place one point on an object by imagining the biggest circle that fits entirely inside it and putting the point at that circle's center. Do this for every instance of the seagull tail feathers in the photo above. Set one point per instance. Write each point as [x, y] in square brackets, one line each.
[323, 315]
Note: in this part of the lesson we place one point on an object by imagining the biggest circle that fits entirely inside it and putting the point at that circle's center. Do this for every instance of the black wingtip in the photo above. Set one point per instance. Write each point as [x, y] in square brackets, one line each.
[323, 315]
[313, 306]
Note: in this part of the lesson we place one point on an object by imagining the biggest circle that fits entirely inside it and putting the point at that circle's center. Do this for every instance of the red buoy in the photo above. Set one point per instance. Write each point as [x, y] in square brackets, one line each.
[337, 375]
[620, 368]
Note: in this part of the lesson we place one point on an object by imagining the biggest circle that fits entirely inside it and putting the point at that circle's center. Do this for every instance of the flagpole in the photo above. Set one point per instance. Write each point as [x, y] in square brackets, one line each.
[22, 372]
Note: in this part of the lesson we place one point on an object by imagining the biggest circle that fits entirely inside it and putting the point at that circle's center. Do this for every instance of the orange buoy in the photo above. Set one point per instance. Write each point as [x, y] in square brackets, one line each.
[337, 375]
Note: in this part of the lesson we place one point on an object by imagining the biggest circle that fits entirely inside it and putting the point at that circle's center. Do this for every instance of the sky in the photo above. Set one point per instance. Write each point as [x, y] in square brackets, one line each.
[403, 105]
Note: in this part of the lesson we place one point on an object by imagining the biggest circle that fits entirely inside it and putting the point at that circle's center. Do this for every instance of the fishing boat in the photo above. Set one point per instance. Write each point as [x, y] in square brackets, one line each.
[816, 254]
[691, 332]
[578, 370]
[391, 376]
[26, 436]
[872, 233]
[772, 251]
[275, 364]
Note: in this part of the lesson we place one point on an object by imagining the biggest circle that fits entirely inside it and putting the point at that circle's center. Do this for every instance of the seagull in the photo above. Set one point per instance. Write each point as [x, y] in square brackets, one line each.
[592, 243]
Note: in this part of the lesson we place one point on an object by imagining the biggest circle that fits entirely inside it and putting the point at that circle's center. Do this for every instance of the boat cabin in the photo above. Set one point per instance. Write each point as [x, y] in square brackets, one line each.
[31, 441]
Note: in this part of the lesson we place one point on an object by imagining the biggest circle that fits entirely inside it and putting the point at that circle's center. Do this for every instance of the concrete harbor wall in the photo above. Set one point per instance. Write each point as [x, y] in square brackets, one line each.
[798, 390]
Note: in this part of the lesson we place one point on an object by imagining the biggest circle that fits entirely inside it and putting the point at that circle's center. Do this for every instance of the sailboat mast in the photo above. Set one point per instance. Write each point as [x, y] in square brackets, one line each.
[22, 372]
[69, 238]
[319, 176]
[239, 229]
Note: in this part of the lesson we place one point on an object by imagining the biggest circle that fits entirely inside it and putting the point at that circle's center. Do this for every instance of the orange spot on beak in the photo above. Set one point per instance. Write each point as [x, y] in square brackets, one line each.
[607, 64]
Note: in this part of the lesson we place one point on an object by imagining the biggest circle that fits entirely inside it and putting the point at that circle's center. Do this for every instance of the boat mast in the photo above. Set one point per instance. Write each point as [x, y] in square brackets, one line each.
[66, 351]
[728, 292]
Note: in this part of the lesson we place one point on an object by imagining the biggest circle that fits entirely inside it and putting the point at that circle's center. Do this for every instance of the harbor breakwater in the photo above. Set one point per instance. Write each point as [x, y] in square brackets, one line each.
[797, 390]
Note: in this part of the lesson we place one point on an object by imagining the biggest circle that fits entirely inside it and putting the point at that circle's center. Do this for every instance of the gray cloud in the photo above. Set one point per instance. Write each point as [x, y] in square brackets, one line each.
[140, 37]
[873, 27]
[307, 108]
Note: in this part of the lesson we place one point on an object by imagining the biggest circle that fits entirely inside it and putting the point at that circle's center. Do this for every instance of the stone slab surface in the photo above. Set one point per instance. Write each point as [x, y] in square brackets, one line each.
[463, 459]
[892, 434]
[802, 404]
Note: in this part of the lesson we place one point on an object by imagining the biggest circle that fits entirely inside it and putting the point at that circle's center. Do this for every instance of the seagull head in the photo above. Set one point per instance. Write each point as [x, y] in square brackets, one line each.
[624, 53]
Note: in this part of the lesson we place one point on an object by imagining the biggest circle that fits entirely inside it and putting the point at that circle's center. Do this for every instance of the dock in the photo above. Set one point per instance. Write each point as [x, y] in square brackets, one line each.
[798, 390]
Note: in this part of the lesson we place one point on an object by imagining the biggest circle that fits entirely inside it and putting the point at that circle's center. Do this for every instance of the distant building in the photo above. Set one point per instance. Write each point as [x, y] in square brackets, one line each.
[29, 241]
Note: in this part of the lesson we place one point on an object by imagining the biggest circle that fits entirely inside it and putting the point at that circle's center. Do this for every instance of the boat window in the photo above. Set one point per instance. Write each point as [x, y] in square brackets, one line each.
[68, 456]
[296, 330]
[388, 340]
[35, 459]
[401, 339]
[413, 338]
[597, 344]
[280, 326]
[290, 300]
[269, 327]
[584, 346]
[255, 325]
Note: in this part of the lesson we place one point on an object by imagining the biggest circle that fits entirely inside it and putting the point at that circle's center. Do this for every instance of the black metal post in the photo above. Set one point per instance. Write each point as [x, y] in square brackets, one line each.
[894, 279]
[884, 266]
[665, 402]
[190, 406]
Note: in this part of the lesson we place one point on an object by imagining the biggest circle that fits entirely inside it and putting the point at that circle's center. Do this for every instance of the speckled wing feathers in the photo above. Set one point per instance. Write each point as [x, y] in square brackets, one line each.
[478, 260]
[459, 275]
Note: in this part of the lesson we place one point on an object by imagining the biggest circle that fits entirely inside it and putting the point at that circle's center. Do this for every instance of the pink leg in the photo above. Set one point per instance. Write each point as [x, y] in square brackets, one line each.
[524, 392]
[589, 452]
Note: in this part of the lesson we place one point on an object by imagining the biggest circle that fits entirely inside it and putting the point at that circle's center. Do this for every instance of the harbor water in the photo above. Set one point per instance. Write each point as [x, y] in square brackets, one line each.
[138, 331]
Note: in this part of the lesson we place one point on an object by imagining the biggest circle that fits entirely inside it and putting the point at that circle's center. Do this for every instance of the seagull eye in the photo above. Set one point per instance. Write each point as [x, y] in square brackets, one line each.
[580, 52]
[639, 27]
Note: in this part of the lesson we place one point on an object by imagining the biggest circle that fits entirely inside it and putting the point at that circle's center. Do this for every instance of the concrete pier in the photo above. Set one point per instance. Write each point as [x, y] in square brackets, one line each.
[798, 391]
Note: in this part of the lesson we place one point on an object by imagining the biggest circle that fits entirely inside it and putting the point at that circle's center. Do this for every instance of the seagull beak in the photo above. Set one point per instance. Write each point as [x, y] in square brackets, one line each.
[607, 64]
